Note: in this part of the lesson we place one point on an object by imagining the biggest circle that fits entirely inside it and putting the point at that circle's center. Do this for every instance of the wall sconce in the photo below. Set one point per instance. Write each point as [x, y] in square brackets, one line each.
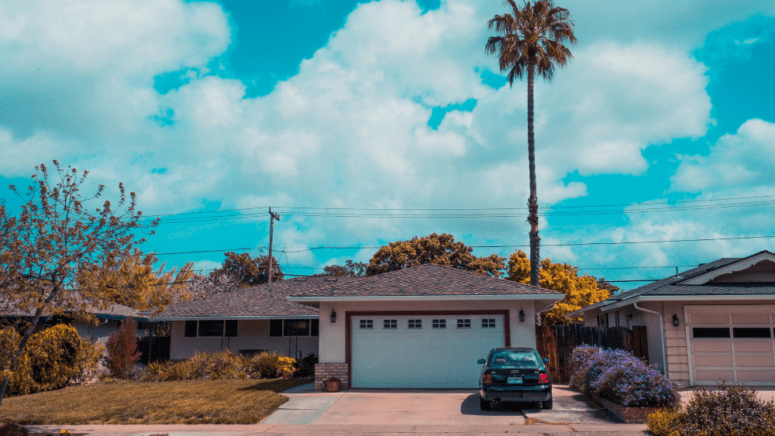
[676, 322]
[521, 315]
[333, 316]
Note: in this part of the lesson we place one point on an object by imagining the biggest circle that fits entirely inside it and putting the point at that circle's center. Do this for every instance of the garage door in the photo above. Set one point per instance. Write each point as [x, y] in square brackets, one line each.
[422, 351]
[732, 344]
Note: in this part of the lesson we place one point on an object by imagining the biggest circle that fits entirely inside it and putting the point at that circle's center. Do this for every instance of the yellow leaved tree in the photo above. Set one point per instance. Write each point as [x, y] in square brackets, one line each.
[580, 291]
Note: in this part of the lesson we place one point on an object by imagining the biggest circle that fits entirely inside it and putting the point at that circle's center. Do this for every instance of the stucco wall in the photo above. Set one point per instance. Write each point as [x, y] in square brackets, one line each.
[251, 335]
[332, 336]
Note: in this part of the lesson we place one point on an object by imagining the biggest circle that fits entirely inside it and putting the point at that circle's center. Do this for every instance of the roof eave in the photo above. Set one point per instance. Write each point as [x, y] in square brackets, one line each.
[245, 318]
[548, 297]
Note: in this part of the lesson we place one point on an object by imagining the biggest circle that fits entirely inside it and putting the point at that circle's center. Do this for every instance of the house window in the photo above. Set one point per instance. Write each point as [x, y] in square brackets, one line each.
[211, 328]
[231, 328]
[293, 327]
[415, 323]
[367, 324]
[390, 324]
[464, 323]
[488, 323]
[190, 329]
[439, 323]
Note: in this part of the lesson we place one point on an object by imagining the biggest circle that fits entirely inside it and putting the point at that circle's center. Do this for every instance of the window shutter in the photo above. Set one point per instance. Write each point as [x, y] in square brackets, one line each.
[190, 329]
[275, 327]
[231, 327]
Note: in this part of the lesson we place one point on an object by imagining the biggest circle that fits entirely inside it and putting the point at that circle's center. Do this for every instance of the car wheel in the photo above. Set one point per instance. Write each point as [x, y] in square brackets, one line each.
[548, 404]
[484, 405]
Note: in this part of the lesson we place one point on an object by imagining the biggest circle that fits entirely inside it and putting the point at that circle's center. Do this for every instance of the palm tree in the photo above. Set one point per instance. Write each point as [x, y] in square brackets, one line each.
[532, 42]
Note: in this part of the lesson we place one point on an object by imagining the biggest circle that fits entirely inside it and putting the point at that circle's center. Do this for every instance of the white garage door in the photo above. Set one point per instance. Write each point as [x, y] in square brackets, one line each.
[424, 351]
[732, 344]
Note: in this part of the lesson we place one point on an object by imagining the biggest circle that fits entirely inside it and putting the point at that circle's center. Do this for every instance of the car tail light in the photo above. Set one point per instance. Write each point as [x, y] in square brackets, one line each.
[543, 379]
[487, 379]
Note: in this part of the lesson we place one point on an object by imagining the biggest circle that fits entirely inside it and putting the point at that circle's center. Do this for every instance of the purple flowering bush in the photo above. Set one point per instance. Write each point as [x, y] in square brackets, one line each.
[620, 377]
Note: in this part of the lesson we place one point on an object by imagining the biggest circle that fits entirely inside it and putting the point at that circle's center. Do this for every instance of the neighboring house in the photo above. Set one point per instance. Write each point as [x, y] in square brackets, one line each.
[108, 321]
[249, 320]
[420, 327]
[714, 322]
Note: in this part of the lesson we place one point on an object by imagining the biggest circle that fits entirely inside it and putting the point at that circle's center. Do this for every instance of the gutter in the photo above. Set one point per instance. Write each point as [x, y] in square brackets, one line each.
[661, 334]
[538, 314]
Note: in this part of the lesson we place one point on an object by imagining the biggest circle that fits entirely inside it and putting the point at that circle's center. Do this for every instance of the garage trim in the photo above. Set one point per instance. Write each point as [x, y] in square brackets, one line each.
[349, 315]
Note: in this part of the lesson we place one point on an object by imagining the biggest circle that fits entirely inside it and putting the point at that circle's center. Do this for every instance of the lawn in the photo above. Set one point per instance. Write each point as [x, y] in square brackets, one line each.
[241, 401]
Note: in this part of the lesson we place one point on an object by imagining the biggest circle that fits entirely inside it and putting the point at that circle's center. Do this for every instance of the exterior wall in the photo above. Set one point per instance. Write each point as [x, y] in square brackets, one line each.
[99, 333]
[325, 371]
[251, 335]
[332, 336]
[676, 343]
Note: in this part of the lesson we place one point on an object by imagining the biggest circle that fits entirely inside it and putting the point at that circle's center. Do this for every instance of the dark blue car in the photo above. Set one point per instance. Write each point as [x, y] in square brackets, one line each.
[515, 375]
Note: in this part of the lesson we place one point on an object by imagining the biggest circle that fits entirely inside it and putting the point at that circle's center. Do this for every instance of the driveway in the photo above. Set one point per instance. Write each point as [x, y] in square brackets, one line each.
[425, 407]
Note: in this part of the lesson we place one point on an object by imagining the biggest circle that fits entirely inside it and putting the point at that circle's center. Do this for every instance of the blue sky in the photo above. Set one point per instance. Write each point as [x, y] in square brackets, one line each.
[208, 106]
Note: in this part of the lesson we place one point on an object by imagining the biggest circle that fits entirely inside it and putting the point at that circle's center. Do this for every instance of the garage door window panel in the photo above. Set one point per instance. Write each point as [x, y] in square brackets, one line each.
[439, 323]
[390, 324]
[751, 332]
[367, 324]
[415, 323]
[464, 323]
[711, 332]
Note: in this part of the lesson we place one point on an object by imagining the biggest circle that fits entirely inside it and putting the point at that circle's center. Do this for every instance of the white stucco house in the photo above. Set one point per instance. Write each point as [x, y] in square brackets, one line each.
[420, 327]
[714, 322]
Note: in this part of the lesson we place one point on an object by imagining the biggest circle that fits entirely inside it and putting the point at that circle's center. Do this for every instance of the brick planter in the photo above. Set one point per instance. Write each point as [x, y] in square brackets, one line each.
[629, 415]
[324, 371]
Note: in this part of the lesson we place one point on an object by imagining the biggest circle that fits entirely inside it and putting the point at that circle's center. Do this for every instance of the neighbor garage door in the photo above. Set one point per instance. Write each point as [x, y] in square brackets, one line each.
[734, 344]
[422, 351]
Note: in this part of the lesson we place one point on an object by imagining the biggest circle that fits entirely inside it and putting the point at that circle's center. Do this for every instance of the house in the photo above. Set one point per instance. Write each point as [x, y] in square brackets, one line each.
[420, 327]
[108, 321]
[714, 322]
[248, 321]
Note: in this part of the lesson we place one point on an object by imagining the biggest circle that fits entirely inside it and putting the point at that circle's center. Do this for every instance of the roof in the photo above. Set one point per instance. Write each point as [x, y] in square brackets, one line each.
[427, 280]
[675, 286]
[113, 311]
[256, 302]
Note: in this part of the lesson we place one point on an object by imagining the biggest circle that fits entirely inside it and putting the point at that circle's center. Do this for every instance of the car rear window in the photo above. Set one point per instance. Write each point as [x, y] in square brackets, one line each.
[514, 359]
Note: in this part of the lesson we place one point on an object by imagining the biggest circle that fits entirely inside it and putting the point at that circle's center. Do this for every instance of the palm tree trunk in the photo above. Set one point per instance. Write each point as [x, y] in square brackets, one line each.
[535, 241]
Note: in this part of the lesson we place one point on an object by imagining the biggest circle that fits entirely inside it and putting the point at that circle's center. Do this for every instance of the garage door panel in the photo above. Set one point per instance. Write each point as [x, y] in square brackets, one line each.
[753, 346]
[714, 375]
[421, 358]
[710, 318]
[713, 361]
[712, 346]
[751, 318]
[756, 376]
[754, 361]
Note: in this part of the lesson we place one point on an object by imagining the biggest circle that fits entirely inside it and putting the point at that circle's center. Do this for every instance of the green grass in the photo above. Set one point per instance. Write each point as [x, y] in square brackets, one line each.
[240, 401]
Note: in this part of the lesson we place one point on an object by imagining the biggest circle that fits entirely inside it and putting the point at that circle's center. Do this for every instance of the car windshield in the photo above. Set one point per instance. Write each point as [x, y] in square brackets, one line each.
[514, 358]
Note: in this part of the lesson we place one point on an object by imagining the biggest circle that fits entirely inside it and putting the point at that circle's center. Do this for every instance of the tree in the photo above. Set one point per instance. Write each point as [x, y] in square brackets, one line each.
[151, 289]
[580, 291]
[248, 270]
[122, 350]
[437, 249]
[54, 239]
[201, 286]
[350, 269]
[532, 42]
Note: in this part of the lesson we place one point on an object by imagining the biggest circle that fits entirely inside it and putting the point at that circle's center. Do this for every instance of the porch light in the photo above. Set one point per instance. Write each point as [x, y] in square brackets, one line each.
[333, 316]
[676, 322]
[521, 315]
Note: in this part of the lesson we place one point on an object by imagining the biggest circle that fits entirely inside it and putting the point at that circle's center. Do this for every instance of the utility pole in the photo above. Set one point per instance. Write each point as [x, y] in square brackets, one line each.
[272, 217]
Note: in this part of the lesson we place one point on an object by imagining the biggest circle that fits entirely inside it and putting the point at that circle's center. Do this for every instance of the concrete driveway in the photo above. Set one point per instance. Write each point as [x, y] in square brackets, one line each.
[425, 407]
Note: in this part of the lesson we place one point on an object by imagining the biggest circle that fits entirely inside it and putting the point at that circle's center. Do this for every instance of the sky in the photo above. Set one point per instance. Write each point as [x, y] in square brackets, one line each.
[661, 128]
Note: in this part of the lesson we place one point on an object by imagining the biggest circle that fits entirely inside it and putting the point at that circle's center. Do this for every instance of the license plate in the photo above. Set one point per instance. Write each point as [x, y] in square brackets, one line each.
[514, 380]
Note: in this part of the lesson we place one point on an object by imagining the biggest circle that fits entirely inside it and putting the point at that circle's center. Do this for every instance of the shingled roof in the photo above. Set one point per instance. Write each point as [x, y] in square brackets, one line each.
[674, 286]
[427, 280]
[255, 302]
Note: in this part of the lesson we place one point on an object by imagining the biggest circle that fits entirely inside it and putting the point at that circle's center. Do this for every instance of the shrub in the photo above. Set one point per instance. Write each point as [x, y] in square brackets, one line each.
[51, 358]
[286, 365]
[220, 365]
[265, 365]
[87, 362]
[13, 430]
[307, 366]
[663, 422]
[622, 378]
[732, 410]
[122, 350]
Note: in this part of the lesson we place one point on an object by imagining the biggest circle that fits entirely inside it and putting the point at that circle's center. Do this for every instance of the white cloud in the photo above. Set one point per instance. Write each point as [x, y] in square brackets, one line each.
[736, 160]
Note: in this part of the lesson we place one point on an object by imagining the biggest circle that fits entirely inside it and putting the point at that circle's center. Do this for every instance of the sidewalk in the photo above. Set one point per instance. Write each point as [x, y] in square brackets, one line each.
[328, 429]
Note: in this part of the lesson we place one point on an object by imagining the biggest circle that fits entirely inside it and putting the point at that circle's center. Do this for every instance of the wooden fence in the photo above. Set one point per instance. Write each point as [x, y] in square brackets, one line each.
[556, 343]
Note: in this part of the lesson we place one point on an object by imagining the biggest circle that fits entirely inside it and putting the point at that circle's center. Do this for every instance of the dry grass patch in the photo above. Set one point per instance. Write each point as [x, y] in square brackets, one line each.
[182, 402]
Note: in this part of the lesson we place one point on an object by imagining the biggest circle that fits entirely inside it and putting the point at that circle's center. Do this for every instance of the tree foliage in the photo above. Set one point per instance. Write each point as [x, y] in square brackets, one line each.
[580, 291]
[436, 249]
[247, 270]
[122, 350]
[349, 269]
[51, 248]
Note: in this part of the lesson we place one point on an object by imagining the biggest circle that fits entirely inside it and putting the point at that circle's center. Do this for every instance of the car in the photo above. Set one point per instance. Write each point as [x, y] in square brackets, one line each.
[515, 375]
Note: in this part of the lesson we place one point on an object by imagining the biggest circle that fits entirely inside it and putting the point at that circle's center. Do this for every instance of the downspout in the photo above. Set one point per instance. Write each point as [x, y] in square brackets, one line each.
[661, 334]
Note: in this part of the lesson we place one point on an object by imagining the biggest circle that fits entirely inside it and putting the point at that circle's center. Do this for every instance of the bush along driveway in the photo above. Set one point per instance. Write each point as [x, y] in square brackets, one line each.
[237, 401]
